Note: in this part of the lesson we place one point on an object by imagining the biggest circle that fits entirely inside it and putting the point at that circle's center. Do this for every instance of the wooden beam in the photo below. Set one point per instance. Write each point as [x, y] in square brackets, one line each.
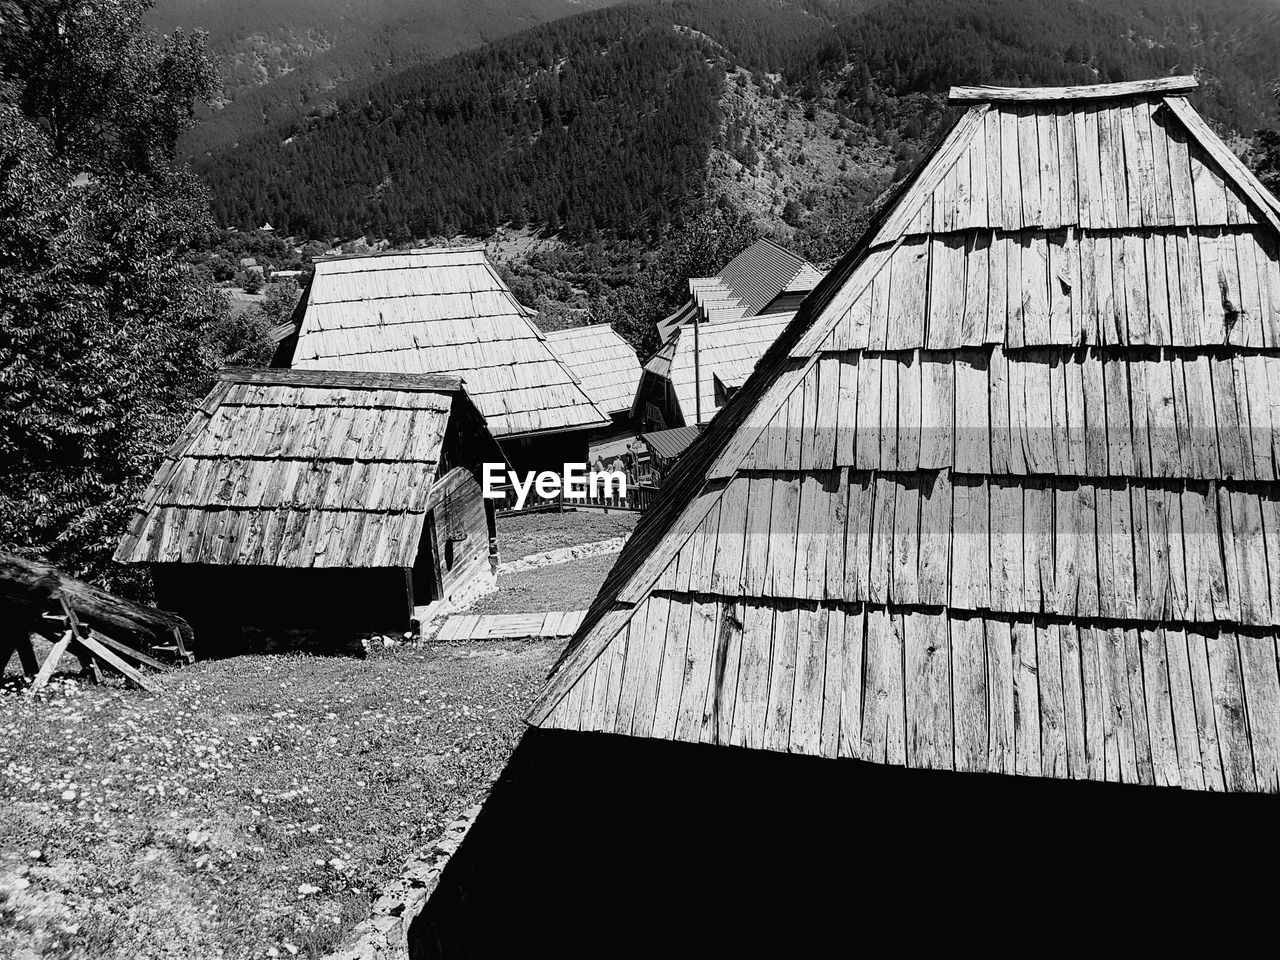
[32, 586]
[93, 643]
[51, 661]
[1268, 206]
[128, 651]
[1100, 91]
[344, 380]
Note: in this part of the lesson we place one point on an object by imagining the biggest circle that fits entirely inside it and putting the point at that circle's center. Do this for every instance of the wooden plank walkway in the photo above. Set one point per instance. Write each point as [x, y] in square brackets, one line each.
[509, 625]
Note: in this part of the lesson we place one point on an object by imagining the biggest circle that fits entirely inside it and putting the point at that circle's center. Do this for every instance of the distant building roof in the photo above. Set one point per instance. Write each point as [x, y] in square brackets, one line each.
[604, 363]
[749, 284]
[727, 350]
[762, 271]
[440, 310]
[669, 444]
[296, 468]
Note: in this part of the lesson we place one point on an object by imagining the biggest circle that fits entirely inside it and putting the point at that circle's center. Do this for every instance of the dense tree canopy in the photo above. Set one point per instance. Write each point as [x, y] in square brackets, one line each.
[106, 332]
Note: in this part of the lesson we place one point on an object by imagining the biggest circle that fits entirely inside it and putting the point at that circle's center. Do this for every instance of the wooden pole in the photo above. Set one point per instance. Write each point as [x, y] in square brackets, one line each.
[697, 367]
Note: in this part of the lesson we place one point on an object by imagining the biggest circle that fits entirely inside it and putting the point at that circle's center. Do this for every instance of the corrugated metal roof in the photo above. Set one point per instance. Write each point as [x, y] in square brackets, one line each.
[669, 444]
[299, 469]
[747, 285]
[442, 310]
[603, 362]
[760, 272]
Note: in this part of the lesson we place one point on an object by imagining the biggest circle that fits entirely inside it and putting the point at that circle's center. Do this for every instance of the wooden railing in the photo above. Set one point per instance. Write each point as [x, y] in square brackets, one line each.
[638, 497]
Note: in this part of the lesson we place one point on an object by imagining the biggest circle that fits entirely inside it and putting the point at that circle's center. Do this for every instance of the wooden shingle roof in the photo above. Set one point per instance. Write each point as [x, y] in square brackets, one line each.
[300, 468]
[603, 362]
[1002, 496]
[441, 311]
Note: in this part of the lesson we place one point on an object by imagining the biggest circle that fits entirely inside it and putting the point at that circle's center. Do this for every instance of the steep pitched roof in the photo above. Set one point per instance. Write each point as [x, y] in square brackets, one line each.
[441, 310]
[301, 468]
[1001, 497]
[603, 362]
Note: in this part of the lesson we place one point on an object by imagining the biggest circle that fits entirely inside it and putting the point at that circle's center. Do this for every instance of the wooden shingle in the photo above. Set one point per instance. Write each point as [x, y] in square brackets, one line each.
[1042, 542]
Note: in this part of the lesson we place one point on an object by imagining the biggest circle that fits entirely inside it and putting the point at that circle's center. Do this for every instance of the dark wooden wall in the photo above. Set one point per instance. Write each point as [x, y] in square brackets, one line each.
[463, 525]
[596, 845]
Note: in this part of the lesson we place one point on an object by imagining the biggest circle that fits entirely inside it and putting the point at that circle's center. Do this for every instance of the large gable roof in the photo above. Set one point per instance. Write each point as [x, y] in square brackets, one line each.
[1002, 496]
[442, 310]
[301, 468]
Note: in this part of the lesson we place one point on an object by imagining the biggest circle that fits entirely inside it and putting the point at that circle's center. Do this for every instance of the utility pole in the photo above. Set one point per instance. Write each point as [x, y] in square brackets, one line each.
[697, 366]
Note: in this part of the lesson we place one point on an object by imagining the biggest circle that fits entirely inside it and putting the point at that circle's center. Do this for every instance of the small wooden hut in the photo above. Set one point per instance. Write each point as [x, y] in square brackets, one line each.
[309, 497]
[971, 592]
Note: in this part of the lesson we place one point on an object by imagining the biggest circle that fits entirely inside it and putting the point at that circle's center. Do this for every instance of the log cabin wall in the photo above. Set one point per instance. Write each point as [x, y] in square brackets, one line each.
[1002, 497]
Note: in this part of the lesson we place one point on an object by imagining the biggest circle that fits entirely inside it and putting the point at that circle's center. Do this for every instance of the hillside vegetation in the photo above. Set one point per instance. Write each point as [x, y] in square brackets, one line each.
[280, 59]
[618, 121]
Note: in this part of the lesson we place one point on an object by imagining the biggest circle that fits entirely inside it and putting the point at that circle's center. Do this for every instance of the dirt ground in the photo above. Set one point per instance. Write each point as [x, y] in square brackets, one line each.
[253, 807]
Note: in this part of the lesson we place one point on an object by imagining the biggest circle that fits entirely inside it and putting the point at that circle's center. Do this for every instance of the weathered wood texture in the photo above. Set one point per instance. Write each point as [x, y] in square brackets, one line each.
[442, 311]
[1101, 91]
[1054, 699]
[604, 363]
[273, 470]
[1004, 491]
[509, 625]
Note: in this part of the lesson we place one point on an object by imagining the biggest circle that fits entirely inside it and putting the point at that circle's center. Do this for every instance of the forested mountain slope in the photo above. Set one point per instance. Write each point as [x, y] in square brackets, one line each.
[618, 121]
[280, 59]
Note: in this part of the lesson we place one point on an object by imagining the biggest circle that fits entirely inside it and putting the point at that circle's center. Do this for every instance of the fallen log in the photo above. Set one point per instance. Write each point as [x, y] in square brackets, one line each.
[31, 587]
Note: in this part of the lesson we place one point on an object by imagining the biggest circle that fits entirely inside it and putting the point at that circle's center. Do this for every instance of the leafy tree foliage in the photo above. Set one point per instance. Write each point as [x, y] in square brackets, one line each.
[106, 331]
[698, 248]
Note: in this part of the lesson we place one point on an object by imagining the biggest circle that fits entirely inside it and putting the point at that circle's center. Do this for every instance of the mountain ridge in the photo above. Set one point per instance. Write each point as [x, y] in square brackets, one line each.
[612, 121]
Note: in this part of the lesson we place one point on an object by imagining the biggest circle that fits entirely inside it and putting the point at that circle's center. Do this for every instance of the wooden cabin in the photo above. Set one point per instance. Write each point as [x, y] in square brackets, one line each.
[711, 344]
[971, 592]
[304, 498]
[698, 370]
[446, 310]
